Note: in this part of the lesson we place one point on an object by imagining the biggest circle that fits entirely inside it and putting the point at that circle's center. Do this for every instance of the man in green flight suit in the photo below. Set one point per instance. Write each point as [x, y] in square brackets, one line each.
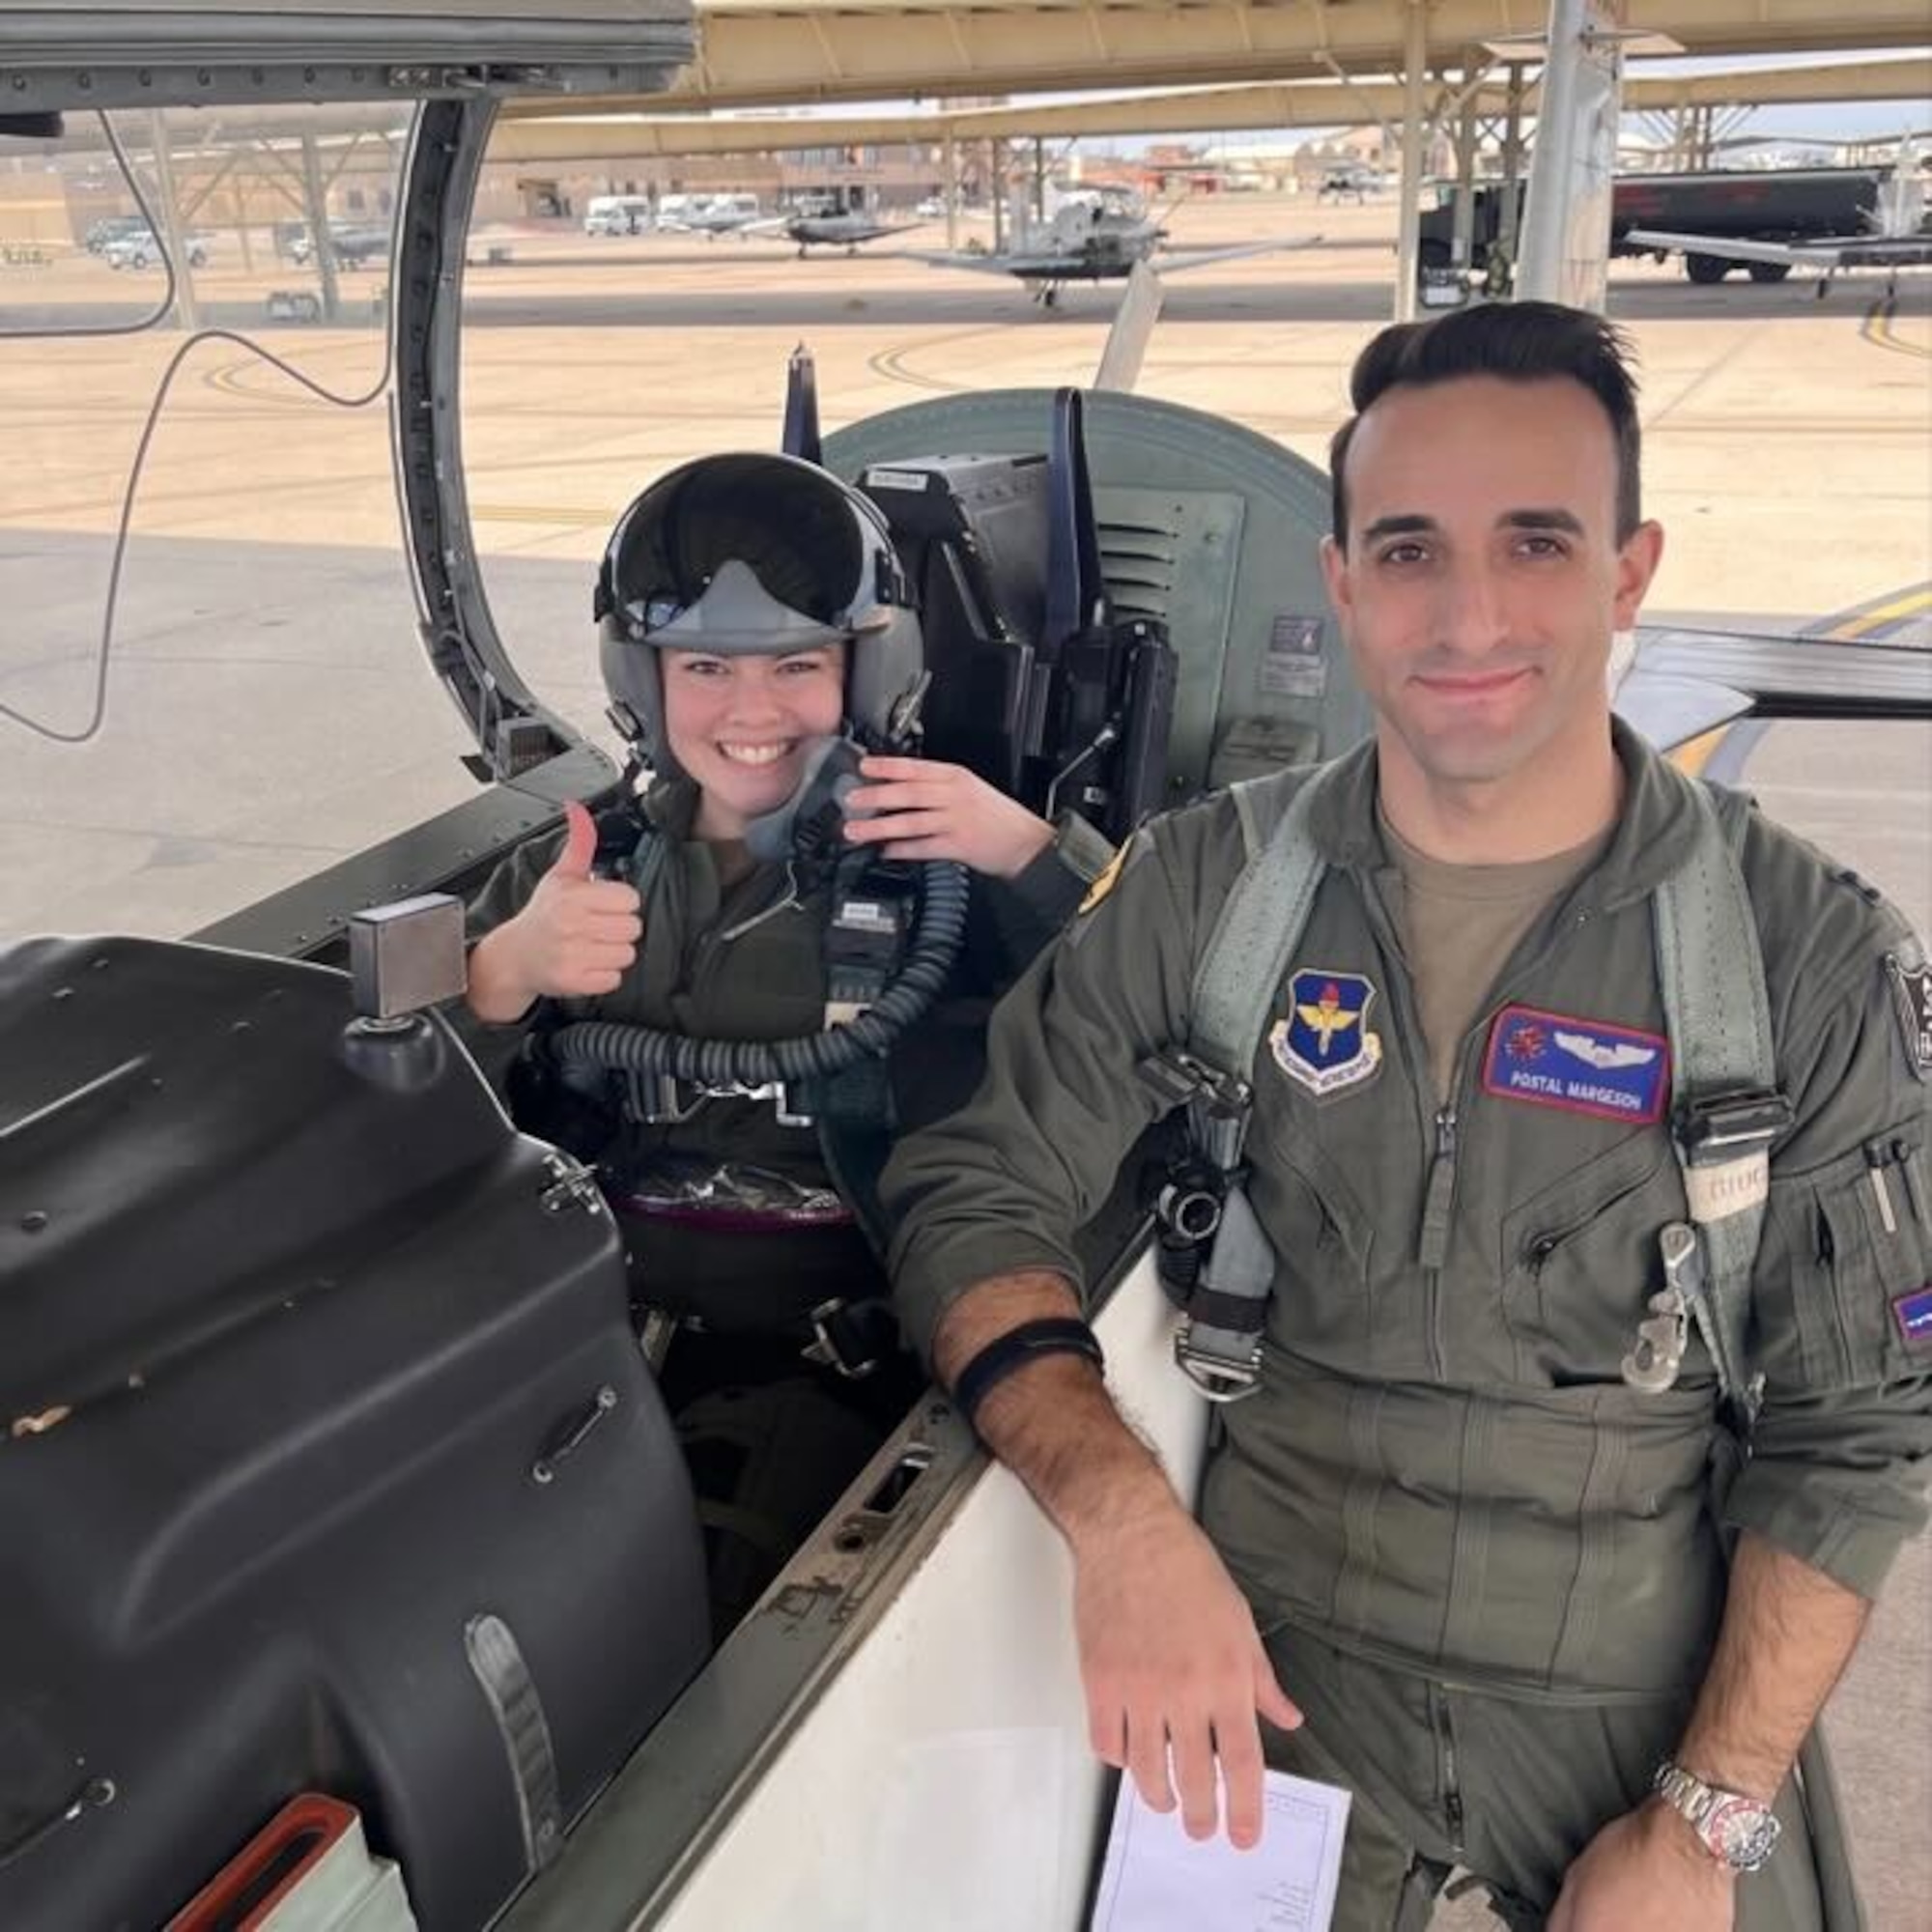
[1452, 1554]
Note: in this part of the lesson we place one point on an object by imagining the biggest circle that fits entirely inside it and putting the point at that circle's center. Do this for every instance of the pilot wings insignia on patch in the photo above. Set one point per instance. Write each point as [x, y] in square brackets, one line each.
[1596, 1053]
[1578, 1066]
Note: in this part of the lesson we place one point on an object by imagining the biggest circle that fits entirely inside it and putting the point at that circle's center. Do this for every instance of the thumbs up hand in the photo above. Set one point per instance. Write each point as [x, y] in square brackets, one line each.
[575, 938]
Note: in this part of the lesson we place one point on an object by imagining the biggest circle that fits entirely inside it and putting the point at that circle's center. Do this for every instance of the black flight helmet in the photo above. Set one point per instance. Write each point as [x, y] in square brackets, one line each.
[744, 555]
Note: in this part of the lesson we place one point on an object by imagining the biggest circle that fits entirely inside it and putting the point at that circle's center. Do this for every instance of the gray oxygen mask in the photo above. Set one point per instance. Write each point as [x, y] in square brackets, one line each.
[810, 824]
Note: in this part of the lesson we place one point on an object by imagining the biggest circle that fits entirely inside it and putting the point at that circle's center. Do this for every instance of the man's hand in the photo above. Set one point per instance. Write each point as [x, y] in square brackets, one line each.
[917, 810]
[1174, 1671]
[1645, 1870]
[575, 938]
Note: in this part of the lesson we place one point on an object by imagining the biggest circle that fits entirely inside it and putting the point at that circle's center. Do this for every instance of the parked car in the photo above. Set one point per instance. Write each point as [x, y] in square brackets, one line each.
[350, 244]
[618, 214]
[112, 228]
[141, 249]
[931, 208]
[1350, 182]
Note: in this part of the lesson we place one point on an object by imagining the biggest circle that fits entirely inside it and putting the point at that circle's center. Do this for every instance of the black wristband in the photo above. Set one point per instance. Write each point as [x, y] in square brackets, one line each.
[1017, 1346]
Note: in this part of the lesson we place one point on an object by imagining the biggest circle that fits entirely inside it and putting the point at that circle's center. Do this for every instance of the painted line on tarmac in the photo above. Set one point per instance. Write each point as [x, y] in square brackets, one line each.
[1877, 330]
[1884, 617]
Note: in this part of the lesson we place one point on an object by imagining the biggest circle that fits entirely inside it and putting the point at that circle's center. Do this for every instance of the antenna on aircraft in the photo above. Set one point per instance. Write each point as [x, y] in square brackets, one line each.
[1076, 594]
[801, 437]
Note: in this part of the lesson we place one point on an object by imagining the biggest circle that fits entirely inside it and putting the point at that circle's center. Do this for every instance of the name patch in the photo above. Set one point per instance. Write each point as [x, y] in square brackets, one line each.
[1324, 1044]
[1578, 1066]
[1913, 1315]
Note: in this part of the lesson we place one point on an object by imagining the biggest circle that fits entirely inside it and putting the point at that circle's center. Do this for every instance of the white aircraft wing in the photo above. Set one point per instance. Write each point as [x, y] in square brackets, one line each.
[853, 237]
[1174, 260]
[1831, 251]
[1036, 264]
[1682, 683]
[1811, 254]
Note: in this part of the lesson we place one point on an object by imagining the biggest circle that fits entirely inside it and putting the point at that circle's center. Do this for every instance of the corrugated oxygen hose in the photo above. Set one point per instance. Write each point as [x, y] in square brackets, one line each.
[937, 934]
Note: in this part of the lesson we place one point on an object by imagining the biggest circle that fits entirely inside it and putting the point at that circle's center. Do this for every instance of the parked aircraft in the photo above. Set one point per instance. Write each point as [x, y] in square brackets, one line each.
[720, 214]
[350, 244]
[1897, 237]
[1097, 235]
[849, 230]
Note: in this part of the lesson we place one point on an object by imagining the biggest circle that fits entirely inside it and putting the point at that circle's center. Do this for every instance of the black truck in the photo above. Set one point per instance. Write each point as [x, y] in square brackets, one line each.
[1775, 204]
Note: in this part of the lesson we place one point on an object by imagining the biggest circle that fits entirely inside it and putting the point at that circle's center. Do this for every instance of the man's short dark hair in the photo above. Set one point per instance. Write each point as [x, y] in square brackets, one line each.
[1519, 342]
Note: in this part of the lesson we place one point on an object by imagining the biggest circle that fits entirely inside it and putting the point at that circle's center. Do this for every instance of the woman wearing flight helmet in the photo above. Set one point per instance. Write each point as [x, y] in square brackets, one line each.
[754, 625]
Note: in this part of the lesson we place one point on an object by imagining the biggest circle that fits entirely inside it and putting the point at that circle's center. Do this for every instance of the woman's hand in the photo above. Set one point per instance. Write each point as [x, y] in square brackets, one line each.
[914, 809]
[575, 938]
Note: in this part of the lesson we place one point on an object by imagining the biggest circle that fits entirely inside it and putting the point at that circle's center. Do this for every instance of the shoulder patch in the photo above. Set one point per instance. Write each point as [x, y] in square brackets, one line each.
[1913, 1315]
[1912, 997]
[1108, 879]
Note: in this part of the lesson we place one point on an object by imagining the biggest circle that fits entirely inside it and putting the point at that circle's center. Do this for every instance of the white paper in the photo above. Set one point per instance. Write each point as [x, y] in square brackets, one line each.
[1157, 1878]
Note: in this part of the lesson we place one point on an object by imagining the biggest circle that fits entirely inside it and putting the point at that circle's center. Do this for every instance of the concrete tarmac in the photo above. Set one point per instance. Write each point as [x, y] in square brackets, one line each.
[267, 707]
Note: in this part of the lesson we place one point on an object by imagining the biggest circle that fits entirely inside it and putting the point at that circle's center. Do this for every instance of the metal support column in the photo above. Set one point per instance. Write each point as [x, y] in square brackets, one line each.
[321, 243]
[172, 235]
[951, 150]
[1566, 226]
[1408, 230]
[1512, 209]
[1466, 124]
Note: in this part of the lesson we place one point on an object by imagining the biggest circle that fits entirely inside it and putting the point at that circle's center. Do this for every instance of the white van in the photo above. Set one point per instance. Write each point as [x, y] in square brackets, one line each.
[618, 214]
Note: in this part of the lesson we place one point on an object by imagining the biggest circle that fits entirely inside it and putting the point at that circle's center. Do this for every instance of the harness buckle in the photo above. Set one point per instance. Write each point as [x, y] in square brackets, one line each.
[1220, 1377]
[1730, 1126]
[837, 1339]
[662, 1100]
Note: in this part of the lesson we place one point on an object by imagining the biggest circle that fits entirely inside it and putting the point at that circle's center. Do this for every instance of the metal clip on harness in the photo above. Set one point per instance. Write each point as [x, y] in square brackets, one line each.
[1216, 1258]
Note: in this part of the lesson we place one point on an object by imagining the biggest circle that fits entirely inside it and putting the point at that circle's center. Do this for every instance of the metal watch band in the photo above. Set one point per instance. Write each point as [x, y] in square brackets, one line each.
[1736, 1830]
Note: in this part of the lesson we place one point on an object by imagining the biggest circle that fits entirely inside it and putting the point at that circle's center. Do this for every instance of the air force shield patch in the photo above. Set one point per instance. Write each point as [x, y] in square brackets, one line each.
[1324, 1044]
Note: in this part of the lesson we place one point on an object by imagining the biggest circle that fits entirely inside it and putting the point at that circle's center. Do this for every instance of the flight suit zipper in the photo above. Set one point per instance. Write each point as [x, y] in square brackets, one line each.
[1452, 1786]
[1439, 1134]
[1432, 1247]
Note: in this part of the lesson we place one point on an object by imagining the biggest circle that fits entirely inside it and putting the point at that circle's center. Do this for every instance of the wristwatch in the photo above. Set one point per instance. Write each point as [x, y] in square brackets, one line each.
[1736, 1830]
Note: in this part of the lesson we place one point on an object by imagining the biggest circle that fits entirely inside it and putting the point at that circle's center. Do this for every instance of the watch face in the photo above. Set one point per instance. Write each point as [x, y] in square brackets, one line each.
[1742, 1833]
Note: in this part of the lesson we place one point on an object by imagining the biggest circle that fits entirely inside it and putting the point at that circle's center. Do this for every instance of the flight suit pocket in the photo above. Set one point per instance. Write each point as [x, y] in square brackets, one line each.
[1322, 1240]
[1580, 1261]
[1844, 1284]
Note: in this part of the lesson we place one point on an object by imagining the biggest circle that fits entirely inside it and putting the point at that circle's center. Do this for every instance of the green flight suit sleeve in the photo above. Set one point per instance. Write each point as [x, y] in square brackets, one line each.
[1004, 1183]
[499, 899]
[1024, 914]
[1843, 1449]
[505, 893]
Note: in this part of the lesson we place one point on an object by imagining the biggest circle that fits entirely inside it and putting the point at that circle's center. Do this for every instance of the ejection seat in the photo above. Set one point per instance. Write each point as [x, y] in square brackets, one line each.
[1203, 527]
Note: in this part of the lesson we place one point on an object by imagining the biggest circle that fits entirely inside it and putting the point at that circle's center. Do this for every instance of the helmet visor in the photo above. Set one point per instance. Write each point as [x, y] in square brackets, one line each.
[787, 522]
